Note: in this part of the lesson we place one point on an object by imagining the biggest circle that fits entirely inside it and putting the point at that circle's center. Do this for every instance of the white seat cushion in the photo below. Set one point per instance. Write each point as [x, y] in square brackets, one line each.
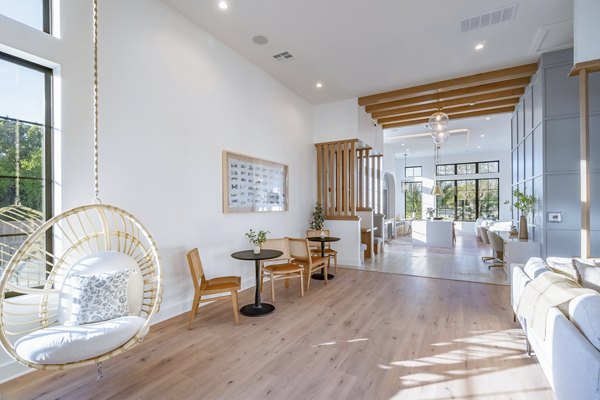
[68, 344]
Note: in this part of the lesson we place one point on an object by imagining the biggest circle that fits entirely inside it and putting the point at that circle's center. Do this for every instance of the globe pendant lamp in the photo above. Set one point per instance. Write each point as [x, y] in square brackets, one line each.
[438, 122]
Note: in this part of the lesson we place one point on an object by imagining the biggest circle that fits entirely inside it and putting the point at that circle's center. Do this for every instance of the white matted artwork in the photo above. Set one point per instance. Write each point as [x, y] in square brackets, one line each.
[253, 185]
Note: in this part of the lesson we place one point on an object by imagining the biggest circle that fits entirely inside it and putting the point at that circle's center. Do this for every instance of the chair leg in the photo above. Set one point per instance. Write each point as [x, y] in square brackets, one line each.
[307, 278]
[335, 262]
[301, 284]
[234, 300]
[272, 289]
[287, 283]
[194, 309]
[325, 270]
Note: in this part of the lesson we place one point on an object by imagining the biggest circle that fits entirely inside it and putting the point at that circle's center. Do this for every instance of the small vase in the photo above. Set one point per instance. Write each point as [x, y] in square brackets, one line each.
[523, 228]
[322, 234]
[513, 231]
[256, 249]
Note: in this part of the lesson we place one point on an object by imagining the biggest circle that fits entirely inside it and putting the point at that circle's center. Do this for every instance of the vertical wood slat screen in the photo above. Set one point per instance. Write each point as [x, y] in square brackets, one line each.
[336, 178]
[348, 179]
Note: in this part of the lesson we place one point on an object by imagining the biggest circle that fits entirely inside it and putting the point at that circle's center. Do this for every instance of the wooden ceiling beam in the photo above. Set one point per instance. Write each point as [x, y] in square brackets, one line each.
[505, 73]
[467, 91]
[451, 110]
[499, 110]
[461, 101]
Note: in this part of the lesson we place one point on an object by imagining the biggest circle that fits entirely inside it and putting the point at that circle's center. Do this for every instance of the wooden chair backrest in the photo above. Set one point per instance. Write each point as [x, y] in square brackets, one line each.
[299, 249]
[195, 264]
[280, 244]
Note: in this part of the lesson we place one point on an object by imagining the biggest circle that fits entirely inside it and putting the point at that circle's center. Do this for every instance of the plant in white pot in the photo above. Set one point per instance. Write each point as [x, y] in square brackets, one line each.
[318, 218]
[525, 204]
[256, 238]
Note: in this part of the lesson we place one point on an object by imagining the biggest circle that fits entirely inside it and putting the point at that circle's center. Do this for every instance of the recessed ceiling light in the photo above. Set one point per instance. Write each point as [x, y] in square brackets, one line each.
[407, 149]
[488, 118]
[402, 144]
[479, 46]
[478, 147]
[471, 104]
[319, 85]
[223, 5]
[482, 135]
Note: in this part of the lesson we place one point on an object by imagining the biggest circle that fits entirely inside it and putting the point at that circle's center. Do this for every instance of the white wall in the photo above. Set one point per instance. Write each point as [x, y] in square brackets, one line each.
[586, 15]
[172, 98]
[428, 177]
[345, 119]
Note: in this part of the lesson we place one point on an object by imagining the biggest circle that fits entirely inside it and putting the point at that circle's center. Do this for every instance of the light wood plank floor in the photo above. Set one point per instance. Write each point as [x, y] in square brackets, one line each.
[462, 262]
[367, 335]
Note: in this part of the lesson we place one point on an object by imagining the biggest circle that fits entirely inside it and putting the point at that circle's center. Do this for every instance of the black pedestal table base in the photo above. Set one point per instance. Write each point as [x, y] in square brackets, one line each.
[321, 277]
[251, 310]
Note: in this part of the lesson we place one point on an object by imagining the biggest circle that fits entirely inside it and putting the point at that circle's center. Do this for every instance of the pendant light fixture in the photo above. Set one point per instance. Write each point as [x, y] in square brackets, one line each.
[438, 123]
[404, 182]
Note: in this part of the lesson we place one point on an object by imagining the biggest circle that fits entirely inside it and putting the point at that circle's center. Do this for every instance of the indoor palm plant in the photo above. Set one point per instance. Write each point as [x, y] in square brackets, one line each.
[256, 238]
[525, 204]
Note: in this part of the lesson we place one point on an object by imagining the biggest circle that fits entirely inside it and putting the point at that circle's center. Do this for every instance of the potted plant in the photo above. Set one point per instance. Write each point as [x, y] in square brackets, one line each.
[318, 218]
[525, 204]
[256, 238]
[430, 212]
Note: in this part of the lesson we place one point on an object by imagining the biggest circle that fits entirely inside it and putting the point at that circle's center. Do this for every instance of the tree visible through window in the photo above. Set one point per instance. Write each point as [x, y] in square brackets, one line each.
[412, 200]
[24, 137]
[469, 199]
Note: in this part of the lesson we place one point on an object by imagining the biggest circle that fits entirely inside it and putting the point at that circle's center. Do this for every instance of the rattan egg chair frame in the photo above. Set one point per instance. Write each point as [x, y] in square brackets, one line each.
[79, 232]
[87, 232]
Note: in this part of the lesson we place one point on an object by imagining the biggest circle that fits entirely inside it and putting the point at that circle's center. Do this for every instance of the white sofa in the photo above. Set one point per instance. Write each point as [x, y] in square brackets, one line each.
[569, 355]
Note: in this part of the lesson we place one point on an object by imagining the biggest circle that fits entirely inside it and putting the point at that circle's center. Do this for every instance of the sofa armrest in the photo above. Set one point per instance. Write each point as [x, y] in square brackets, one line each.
[575, 362]
[518, 282]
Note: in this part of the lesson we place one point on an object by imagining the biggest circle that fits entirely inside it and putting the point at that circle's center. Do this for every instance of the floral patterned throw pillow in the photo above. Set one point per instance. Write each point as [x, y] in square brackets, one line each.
[99, 297]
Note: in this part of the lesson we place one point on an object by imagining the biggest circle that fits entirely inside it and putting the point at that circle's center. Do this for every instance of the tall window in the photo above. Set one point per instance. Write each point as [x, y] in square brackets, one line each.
[469, 199]
[35, 13]
[485, 167]
[413, 172]
[412, 200]
[25, 135]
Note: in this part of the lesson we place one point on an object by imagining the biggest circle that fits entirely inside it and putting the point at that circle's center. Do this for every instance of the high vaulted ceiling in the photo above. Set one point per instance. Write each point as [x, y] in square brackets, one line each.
[359, 47]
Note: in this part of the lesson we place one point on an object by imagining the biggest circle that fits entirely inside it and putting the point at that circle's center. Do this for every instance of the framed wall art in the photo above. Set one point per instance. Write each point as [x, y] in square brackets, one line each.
[253, 185]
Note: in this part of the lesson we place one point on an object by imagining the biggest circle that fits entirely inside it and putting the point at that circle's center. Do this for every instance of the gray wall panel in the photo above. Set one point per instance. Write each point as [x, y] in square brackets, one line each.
[538, 151]
[595, 141]
[562, 92]
[562, 144]
[595, 201]
[561, 243]
[520, 122]
[562, 195]
[528, 111]
[537, 101]
[529, 157]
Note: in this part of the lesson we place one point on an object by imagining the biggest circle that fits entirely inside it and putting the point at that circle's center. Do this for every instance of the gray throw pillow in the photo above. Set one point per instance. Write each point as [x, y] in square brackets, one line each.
[99, 297]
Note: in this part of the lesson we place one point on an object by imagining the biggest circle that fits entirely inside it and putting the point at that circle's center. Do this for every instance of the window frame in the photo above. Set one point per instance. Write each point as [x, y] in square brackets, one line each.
[477, 168]
[46, 18]
[477, 193]
[412, 168]
[48, 172]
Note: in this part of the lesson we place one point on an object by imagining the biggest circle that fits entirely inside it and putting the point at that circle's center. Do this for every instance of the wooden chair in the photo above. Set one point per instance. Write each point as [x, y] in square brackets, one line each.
[281, 267]
[315, 247]
[300, 253]
[203, 287]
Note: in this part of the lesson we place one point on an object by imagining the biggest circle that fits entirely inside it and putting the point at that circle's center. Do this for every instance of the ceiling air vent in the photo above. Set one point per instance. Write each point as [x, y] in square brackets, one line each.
[488, 19]
[283, 56]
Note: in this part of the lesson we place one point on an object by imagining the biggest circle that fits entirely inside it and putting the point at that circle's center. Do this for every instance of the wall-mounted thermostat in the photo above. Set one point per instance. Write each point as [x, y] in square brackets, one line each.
[554, 217]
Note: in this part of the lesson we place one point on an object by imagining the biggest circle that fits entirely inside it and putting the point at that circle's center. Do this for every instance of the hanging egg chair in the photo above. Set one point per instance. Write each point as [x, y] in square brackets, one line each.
[99, 282]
